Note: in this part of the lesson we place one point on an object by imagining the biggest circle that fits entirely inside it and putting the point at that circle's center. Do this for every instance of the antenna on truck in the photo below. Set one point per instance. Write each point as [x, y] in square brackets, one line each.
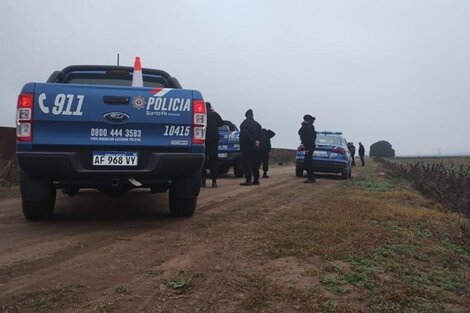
[118, 59]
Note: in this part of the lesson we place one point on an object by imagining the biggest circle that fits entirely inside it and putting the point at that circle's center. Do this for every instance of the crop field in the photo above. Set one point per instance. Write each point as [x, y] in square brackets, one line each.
[447, 161]
[446, 180]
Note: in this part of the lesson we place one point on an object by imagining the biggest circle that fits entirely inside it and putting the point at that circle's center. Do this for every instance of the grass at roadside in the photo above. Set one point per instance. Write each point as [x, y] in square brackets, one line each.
[9, 192]
[9, 178]
[8, 173]
[377, 246]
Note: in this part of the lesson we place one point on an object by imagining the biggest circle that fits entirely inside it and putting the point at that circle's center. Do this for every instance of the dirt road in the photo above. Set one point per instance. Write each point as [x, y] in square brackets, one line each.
[268, 248]
[95, 244]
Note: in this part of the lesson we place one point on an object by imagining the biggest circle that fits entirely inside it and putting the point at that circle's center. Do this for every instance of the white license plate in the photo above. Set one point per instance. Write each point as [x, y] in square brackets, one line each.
[320, 154]
[115, 158]
[222, 155]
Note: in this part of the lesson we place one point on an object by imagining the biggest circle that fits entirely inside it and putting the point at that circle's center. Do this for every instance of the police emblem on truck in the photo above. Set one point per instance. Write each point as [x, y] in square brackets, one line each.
[139, 102]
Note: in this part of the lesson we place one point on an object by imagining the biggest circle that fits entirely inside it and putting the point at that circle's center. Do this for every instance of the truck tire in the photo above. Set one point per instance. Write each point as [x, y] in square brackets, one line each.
[299, 172]
[345, 174]
[238, 170]
[38, 197]
[183, 195]
[181, 207]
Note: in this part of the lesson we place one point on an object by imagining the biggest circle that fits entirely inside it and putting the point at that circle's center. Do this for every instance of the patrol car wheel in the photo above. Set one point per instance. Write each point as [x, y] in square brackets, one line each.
[345, 174]
[299, 172]
[38, 197]
[238, 171]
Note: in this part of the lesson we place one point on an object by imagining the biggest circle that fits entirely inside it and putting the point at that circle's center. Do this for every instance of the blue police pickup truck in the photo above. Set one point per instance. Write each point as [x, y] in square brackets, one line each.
[229, 149]
[87, 127]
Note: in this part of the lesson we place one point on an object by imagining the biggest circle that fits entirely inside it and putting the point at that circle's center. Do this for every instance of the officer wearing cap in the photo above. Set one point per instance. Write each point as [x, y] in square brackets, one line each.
[250, 144]
[308, 135]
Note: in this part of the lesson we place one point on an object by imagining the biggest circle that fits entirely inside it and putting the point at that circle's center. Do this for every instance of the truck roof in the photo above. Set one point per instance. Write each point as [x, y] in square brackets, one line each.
[111, 71]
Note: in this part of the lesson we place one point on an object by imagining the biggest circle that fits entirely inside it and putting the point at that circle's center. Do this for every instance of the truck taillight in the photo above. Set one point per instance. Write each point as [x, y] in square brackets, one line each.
[24, 117]
[199, 121]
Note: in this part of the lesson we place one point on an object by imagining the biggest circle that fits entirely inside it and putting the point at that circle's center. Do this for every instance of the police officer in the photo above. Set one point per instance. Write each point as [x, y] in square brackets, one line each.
[362, 153]
[267, 134]
[352, 150]
[250, 142]
[308, 135]
[214, 121]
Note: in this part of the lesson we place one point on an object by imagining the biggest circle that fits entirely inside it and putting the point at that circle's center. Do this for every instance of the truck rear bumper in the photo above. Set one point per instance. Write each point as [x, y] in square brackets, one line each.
[68, 165]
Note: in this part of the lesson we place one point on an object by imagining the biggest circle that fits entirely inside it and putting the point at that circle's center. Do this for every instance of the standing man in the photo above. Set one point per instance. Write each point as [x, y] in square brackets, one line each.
[308, 135]
[352, 150]
[214, 121]
[250, 143]
[265, 149]
[362, 153]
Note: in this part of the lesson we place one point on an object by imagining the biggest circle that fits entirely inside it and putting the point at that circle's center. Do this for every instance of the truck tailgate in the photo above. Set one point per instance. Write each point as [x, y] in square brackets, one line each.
[90, 115]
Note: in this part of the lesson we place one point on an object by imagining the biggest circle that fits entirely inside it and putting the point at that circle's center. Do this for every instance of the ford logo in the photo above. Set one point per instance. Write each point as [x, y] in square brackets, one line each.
[116, 117]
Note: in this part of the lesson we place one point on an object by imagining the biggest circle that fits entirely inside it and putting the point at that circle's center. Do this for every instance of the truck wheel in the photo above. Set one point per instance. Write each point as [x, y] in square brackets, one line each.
[38, 197]
[299, 172]
[183, 195]
[181, 207]
[344, 174]
[238, 170]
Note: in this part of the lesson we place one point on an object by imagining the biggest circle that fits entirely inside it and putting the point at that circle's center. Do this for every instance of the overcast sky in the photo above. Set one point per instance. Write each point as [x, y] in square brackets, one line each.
[396, 70]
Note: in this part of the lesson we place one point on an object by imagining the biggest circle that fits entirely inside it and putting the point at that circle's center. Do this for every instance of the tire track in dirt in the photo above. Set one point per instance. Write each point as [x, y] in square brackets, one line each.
[120, 247]
[76, 237]
[140, 284]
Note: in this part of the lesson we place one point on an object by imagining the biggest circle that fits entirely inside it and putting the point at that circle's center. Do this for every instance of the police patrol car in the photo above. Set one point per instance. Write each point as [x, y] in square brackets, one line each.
[331, 155]
[229, 149]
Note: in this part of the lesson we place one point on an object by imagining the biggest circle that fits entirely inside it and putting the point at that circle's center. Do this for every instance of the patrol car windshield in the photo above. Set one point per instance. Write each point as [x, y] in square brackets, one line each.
[328, 140]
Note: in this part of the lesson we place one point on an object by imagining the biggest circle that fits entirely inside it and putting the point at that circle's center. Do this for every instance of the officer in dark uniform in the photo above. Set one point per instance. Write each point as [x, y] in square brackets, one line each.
[265, 149]
[352, 150]
[250, 143]
[362, 152]
[214, 121]
[308, 135]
